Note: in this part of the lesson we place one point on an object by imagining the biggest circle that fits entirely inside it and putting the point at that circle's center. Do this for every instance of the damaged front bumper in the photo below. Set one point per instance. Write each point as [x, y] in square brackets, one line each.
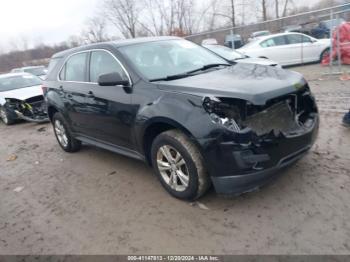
[31, 110]
[249, 153]
[240, 170]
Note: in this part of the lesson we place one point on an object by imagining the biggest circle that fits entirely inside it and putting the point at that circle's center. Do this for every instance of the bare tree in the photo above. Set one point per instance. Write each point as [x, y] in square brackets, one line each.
[285, 4]
[264, 9]
[189, 16]
[229, 12]
[124, 14]
[284, 13]
[19, 43]
[212, 17]
[74, 41]
[96, 30]
[152, 21]
[277, 10]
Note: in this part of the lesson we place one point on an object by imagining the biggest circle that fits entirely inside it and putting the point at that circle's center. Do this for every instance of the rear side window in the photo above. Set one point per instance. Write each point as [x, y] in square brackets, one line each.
[75, 68]
[280, 40]
[276, 41]
[298, 39]
[52, 64]
[102, 63]
[268, 43]
[307, 39]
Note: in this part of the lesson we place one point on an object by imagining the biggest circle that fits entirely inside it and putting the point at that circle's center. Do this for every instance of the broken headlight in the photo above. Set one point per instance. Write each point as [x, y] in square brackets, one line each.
[224, 113]
[11, 103]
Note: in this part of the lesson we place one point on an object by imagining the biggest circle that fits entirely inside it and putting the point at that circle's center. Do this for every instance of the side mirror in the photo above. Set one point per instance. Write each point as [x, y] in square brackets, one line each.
[112, 79]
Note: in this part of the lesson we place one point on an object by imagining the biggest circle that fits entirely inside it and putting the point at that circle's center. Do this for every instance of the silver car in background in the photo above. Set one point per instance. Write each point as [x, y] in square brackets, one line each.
[21, 97]
[39, 71]
[235, 56]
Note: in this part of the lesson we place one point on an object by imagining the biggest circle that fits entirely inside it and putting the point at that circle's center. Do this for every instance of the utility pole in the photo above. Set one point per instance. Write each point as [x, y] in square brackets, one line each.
[243, 12]
[264, 10]
[233, 13]
[277, 8]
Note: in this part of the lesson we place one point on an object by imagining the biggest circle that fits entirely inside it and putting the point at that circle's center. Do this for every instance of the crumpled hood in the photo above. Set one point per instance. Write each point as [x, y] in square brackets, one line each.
[251, 82]
[21, 94]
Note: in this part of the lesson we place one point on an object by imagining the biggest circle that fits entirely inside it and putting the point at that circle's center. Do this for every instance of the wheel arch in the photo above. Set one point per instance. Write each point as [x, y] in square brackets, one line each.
[157, 126]
[323, 53]
[51, 110]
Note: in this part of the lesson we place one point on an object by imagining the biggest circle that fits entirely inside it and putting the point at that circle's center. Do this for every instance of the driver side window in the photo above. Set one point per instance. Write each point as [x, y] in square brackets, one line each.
[104, 63]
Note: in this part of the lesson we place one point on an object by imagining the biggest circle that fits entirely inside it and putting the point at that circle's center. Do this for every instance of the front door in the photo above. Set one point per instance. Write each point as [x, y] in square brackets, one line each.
[110, 111]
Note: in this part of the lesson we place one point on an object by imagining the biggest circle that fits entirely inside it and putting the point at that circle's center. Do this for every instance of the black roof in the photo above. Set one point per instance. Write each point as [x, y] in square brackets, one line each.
[119, 43]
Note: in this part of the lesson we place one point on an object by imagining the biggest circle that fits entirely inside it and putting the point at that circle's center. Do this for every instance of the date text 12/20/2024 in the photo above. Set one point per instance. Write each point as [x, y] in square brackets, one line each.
[173, 258]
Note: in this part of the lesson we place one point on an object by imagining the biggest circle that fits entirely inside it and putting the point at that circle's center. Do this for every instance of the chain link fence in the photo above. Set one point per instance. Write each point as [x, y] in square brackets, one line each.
[303, 21]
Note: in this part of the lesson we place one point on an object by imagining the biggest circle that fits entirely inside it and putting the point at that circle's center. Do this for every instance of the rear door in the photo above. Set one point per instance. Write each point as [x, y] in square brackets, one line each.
[73, 89]
[275, 49]
[295, 48]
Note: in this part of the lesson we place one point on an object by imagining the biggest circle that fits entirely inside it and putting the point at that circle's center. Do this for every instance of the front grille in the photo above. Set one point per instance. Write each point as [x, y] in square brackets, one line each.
[278, 117]
[287, 114]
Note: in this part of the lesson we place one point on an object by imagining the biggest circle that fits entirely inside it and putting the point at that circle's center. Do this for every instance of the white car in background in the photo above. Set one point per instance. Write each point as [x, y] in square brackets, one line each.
[21, 97]
[39, 71]
[232, 55]
[257, 35]
[288, 48]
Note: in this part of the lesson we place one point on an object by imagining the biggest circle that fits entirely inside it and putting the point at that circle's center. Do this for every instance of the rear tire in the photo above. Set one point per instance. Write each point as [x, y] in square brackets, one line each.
[5, 117]
[324, 54]
[179, 165]
[63, 135]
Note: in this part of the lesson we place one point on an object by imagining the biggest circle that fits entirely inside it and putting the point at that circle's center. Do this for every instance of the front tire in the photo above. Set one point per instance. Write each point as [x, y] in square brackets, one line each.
[63, 135]
[5, 117]
[179, 165]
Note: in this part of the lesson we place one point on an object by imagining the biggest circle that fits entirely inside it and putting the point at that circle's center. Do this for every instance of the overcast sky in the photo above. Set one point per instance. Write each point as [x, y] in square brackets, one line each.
[48, 21]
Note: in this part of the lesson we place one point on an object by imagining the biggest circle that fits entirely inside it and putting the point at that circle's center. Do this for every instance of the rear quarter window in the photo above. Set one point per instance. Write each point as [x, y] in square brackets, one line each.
[75, 68]
[53, 63]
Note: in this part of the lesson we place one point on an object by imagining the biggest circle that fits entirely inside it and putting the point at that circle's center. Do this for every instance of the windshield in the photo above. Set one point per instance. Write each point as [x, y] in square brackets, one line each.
[37, 71]
[17, 82]
[160, 59]
[251, 43]
[225, 52]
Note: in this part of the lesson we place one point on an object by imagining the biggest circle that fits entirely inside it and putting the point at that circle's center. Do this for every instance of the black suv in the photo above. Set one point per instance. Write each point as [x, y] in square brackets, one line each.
[188, 113]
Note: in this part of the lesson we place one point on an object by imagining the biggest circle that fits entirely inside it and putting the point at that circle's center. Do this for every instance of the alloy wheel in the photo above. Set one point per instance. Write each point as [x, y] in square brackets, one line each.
[173, 168]
[61, 133]
[3, 116]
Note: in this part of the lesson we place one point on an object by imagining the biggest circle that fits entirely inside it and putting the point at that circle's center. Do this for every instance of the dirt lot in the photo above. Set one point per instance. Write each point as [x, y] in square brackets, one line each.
[97, 202]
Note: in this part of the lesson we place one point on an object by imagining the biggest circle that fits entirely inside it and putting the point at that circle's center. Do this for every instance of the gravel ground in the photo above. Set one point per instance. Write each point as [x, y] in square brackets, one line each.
[97, 202]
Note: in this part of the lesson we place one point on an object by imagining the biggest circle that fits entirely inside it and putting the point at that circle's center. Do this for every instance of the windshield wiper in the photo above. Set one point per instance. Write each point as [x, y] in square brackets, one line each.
[206, 67]
[187, 74]
[171, 77]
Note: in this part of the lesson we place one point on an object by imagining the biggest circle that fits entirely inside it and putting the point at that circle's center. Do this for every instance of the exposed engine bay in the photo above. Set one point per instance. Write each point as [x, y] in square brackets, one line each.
[290, 114]
[32, 109]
